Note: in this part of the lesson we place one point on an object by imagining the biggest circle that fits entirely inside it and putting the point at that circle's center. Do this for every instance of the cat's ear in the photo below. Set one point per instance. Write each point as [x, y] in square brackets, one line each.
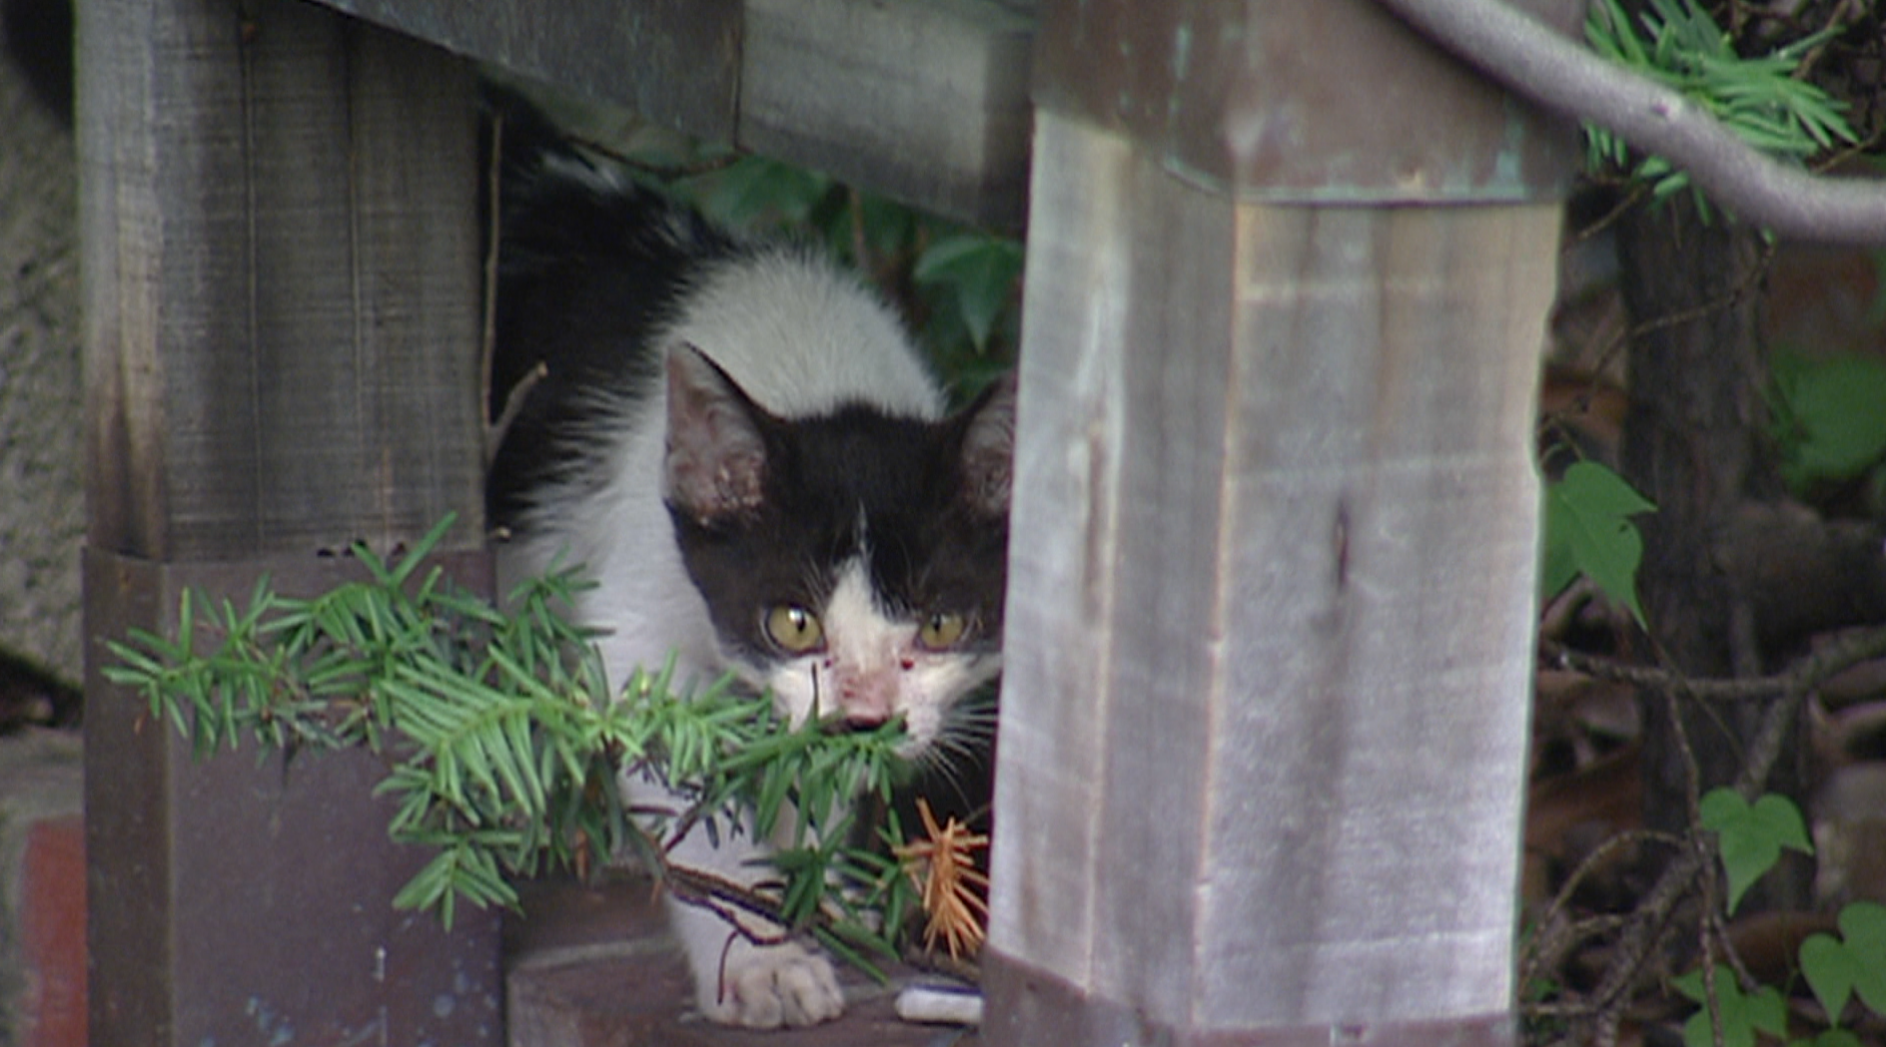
[716, 458]
[988, 447]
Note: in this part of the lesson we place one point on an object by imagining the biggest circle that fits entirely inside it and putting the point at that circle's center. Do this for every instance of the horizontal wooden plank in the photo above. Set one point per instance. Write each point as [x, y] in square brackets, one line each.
[922, 100]
[1244, 97]
[673, 61]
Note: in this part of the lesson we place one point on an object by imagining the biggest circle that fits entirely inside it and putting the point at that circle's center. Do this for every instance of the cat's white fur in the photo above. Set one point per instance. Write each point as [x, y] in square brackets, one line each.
[799, 338]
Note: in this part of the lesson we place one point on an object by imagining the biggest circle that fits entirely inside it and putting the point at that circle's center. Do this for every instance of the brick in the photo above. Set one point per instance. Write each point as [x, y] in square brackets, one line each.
[52, 934]
[42, 882]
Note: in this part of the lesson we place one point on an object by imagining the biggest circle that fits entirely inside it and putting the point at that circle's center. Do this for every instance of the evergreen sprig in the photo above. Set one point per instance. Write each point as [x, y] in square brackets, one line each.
[504, 747]
[1759, 97]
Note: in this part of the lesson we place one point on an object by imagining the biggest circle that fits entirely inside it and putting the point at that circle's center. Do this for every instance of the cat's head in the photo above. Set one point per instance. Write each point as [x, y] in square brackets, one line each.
[852, 562]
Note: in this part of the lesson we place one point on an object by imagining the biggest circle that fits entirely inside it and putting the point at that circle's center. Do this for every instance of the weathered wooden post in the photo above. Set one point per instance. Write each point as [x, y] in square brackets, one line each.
[281, 287]
[1264, 725]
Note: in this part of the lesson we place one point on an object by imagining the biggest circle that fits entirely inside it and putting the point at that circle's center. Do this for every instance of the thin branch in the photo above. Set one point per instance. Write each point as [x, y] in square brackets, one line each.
[488, 320]
[1532, 60]
[1556, 935]
[1650, 921]
[1809, 671]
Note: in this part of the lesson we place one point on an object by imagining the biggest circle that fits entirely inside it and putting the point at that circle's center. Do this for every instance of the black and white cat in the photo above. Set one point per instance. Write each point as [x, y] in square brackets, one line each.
[744, 449]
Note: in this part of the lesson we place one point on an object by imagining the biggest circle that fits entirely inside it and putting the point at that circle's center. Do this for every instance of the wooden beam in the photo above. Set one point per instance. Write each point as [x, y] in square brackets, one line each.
[281, 282]
[676, 62]
[1264, 712]
[281, 286]
[922, 100]
[1268, 638]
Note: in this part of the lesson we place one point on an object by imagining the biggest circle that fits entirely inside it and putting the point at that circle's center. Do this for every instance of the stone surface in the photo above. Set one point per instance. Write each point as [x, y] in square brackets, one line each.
[594, 967]
[42, 505]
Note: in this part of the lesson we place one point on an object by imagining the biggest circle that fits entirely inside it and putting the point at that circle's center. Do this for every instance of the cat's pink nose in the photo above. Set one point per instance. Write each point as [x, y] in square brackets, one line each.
[868, 699]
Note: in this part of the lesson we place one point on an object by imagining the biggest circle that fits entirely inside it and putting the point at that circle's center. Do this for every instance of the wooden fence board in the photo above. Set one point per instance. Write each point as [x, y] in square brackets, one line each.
[282, 282]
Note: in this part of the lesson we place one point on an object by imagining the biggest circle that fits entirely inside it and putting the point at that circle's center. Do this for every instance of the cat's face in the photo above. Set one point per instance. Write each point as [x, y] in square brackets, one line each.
[852, 563]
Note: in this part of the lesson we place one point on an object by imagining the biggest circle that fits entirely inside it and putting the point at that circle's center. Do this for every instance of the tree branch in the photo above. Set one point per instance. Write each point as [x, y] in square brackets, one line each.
[1532, 60]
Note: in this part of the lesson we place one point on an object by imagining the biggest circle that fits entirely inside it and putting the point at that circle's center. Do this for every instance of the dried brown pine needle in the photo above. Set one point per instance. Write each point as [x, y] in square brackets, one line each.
[942, 865]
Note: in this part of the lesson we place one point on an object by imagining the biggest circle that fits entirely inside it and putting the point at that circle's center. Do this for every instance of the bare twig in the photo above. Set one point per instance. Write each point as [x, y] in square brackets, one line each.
[1555, 935]
[1808, 672]
[513, 404]
[488, 332]
[1646, 926]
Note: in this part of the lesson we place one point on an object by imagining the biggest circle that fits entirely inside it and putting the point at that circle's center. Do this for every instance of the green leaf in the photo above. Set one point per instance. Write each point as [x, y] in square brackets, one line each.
[1830, 1038]
[980, 270]
[1751, 838]
[758, 191]
[1832, 416]
[1742, 1014]
[1588, 531]
[1835, 968]
[1830, 972]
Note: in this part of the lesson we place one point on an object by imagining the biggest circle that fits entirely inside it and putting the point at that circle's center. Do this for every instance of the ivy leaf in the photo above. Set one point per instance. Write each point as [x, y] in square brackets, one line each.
[1830, 972]
[1836, 968]
[755, 190]
[1588, 531]
[1831, 415]
[981, 271]
[1830, 1038]
[1751, 837]
[1742, 1015]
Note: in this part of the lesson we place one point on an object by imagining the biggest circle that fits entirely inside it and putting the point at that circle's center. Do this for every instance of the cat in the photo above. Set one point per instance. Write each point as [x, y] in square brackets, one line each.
[741, 444]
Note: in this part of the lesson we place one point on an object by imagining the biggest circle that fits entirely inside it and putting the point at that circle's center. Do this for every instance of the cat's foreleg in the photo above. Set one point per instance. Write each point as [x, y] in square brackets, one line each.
[751, 974]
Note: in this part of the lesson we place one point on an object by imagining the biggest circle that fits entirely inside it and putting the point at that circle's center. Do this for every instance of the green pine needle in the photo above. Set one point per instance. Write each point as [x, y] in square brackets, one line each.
[1677, 44]
[504, 751]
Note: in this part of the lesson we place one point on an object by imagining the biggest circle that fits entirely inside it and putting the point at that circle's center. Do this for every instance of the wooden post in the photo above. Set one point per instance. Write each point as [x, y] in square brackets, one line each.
[1271, 583]
[281, 355]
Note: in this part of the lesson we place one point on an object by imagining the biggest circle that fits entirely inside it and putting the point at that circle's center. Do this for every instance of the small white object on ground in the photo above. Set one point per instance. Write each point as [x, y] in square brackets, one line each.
[933, 1004]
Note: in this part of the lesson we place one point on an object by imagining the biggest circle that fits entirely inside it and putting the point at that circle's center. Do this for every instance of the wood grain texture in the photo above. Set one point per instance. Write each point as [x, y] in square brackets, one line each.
[240, 900]
[676, 62]
[1270, 598]
[922, 100]
[281, 281]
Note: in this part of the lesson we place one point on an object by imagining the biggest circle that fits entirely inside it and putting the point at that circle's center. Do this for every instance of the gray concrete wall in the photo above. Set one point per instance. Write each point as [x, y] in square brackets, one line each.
[42, 509]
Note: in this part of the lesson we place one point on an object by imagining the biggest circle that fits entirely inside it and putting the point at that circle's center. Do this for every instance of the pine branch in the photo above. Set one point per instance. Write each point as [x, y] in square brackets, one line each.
[1536, 63]
[505, 749]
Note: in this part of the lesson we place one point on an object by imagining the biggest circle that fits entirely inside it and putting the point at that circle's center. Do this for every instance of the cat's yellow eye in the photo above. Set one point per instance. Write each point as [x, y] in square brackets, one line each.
[795, 629]
[942, 630]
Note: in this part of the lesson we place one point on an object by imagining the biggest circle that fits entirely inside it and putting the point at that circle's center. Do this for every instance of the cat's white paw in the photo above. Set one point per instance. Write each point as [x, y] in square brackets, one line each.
[767, 986]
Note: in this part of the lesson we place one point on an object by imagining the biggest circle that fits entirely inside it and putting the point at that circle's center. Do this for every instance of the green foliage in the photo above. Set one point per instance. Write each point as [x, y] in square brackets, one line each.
[1677, 44]
[1837, 968]
[957, 284]
[1830, 1038]
[1751, 836]
[1742, 1014]
[504, 749]
[978, 273]
[1587, 530]
[1829, 416]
